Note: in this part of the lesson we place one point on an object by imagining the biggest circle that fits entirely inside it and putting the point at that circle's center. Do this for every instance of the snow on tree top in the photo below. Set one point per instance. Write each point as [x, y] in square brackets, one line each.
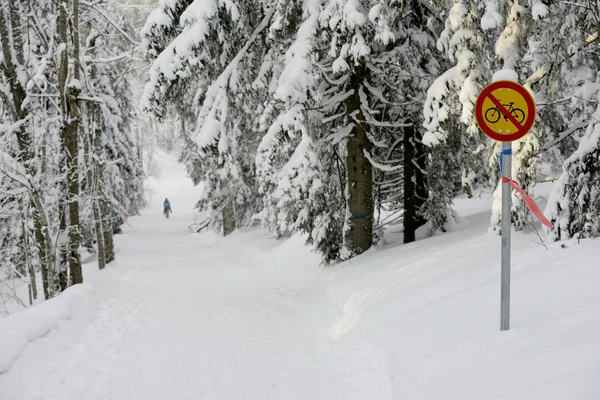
[75, 84]
[506, 75]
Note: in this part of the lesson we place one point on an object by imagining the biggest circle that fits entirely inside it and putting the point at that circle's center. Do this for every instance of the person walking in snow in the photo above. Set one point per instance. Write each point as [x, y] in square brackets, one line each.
[167, 207]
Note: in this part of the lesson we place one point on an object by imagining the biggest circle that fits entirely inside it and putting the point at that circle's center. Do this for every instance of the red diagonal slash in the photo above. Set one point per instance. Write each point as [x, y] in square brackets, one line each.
[504, 111]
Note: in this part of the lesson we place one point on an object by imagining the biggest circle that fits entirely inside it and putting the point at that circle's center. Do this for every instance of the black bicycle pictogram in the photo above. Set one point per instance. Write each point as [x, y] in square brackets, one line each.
[492, 115]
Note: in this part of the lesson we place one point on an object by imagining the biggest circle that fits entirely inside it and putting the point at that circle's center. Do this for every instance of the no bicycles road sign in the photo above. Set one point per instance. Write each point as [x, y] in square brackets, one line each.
[505, 111]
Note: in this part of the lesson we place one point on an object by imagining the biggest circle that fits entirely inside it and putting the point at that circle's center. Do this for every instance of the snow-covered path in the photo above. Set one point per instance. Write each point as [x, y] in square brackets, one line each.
[182, 316]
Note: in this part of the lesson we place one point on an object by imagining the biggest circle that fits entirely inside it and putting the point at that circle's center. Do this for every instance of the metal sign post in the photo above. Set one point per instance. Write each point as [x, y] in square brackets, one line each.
[505, 111]
[506, 227]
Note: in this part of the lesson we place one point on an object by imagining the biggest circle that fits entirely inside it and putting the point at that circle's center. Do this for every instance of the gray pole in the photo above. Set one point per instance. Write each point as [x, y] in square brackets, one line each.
[506, 227]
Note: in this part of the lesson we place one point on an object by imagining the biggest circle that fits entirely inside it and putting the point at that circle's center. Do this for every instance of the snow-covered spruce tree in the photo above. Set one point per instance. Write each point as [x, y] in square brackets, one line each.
[302, 180]
[458, 149]
[574, 205]
[558, 65]
[511, 48]
[124, 174]
[564, 63]
[346, 73]
[162, 27]
[187, 125]
[286, 162]
[399, 156]
[219, 48]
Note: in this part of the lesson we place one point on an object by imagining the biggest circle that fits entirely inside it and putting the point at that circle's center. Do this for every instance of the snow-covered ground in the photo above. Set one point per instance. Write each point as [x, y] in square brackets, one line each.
[195, 316]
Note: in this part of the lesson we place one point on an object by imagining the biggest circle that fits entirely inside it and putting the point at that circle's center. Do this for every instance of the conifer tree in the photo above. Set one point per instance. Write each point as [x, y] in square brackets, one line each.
[573, 205]
[457, 147]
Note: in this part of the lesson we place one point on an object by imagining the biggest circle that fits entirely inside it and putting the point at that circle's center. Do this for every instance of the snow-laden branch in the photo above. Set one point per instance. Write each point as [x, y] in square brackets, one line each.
[364, 103]
[297, 75]
[14, 170]
[340, 134]
[111, 59]
[379, 166]
[95, 7]
[336, 99]
[94, 99]
[173, 61]
[562, 136]
[14, 192]
[545, 70]
[9, 128]
[216, 95]
[384, 124]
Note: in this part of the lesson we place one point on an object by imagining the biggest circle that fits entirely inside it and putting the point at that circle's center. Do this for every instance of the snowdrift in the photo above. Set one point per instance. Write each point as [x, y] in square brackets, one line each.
[433, 307]
[17, 331]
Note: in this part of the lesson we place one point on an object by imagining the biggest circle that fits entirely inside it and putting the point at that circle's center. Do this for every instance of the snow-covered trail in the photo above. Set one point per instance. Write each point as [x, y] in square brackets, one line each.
[182, 316]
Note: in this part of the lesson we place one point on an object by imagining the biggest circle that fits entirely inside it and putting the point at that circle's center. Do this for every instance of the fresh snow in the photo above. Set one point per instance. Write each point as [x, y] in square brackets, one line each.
[505, 75]
[196, 316]
[182, 316]
[23, 328]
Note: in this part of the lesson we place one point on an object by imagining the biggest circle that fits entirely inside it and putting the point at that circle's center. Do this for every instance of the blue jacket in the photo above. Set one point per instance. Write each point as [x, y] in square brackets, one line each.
[167, 204]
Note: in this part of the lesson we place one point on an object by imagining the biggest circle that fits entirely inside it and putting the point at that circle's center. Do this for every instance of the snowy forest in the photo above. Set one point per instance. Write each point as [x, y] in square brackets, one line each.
[70, 169]
[337, 118]
[334, 119]
[298, 199]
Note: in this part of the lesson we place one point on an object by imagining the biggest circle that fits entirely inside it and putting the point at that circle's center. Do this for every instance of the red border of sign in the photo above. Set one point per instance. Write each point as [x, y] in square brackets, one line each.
[531, 111]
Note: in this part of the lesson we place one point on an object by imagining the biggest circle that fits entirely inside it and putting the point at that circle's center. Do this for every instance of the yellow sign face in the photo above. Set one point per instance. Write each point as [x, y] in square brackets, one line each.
[505, 111]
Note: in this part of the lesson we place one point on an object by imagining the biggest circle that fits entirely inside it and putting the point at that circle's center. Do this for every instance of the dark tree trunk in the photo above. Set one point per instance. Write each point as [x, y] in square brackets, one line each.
[421, 190]
[100, 204]
[99, 235]
[28, 264]
[359, 234]
[228, 217]
[410, 206]
[70, 133]
[96, 172]
[44, 245]
[415, 190]
[109, 250]
[72, 147]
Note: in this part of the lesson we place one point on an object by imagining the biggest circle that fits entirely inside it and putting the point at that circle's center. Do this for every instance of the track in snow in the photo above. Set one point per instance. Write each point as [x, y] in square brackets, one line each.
[182, 316]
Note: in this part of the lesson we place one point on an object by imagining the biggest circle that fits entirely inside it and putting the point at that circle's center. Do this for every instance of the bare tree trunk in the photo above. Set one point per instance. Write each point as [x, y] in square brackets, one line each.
[62, 269]
[99, 235]
[421, 191]
[14, 48]
[63, 72]
[358, 236]
[410, 206]
[72, 147]
[228, 211]
[72, 141]
[96, 171]
[44, 245]
[32, 286]
[33, 282]
[101, 207]
[415, 189]
[109, 249]
[69, 92]
[228, 214]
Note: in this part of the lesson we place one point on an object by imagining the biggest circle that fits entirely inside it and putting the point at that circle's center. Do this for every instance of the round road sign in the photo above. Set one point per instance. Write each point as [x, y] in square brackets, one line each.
[505, 111]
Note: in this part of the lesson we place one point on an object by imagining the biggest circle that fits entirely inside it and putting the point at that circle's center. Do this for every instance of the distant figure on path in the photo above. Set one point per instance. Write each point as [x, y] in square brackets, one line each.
[167, 206]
